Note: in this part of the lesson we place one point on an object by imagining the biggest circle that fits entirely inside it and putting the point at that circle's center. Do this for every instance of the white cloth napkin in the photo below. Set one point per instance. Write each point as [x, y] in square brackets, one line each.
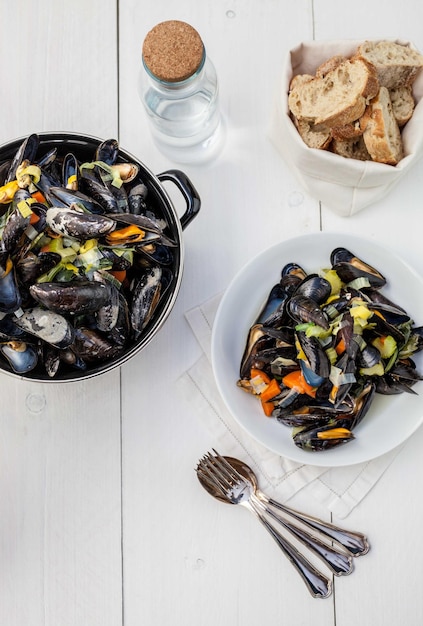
[339, 489]
[345, 186]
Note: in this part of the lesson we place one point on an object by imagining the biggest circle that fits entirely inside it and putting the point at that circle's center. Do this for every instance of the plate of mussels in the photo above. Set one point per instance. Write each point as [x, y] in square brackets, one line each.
[324, 366]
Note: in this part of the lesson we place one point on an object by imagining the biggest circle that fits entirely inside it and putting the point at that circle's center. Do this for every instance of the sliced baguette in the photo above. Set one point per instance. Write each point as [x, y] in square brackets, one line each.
[299, 79]
[351, 148]
[381, 132]
[348, 131]
[402, 103]
[339, 97]
[396, 65]
[330, 64]
[314, 137]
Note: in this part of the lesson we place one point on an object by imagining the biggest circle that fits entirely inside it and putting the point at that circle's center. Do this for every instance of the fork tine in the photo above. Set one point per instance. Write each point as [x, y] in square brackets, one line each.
[211, 479]
[218, 472]
[230, 470]
[221, 478]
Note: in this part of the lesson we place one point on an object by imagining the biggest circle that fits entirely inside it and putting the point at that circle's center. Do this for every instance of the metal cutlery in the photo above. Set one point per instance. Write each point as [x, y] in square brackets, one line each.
[232, 481]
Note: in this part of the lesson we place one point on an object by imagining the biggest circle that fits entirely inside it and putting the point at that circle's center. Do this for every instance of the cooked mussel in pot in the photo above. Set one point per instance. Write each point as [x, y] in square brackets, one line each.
[91, 254]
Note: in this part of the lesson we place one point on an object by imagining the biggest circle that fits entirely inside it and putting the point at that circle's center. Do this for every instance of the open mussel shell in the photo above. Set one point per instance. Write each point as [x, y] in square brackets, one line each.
[349, 267]
[112, 347]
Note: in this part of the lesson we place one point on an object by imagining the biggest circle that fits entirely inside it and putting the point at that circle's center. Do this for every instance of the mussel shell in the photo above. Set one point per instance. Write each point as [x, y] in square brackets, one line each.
[4, 169]
[70, 172]
[349, 267]
[47, 159]
[361, 398]
[308, 438]
[107, 314]
[107, 151]
[119, 262]
[304, 309]
[22, 357]
[26, 151]
[120, 334]
[13, 230]
[121, 198]
[390, 313]
[145, 223]
[101, 194]
[293, 269]
[68, 198]
[48, 326]
[91, 345]
[66, 221]
[257, 340]
[369, 356]
[145, 297]
[10, 331]
[154, 254]
[317, 358]
[82, 296]
[275, 301]
[136, 199]
[32, 266]
[315, 287]
[10, 295]
[298, 418]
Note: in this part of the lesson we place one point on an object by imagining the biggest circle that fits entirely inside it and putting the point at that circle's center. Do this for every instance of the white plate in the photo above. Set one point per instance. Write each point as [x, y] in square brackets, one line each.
[390, 420]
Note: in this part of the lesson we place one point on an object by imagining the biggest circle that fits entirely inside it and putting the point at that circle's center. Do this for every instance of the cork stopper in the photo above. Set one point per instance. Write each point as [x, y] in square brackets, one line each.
[173, 51]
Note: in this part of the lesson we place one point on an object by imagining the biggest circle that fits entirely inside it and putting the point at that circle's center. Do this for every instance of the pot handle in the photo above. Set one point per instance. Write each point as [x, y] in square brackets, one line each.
[189, 192]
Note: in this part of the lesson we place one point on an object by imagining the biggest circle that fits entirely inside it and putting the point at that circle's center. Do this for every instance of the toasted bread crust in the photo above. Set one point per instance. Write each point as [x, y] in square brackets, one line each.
[381, 133]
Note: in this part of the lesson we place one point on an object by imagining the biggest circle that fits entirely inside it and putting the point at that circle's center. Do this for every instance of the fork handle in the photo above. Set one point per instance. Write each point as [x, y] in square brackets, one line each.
[355, 543]
[336, 559]
[317, 583]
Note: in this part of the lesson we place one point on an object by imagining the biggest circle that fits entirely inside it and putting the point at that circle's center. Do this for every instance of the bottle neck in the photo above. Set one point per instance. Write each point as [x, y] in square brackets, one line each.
[176, 85]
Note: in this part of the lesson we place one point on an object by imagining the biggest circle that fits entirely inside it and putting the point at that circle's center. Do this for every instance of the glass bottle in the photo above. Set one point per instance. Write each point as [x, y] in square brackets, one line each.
[179, 89]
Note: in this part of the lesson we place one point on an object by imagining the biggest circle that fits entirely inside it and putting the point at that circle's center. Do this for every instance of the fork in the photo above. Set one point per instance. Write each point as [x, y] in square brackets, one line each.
[237, 490]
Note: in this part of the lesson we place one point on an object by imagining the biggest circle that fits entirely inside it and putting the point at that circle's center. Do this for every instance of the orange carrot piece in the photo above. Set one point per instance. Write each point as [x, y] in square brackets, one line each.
[271, 390]
[267, 407]
[38, 196]
[34, 218]
[340, 346]
[295, 380]
[256, 372]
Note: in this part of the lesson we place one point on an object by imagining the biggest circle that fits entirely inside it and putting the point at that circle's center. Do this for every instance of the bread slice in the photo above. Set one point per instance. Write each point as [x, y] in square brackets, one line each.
[347, 131]
[318, 137]
[299, 79]
[351, 148]
[337, 98]
[330, 64]
[402, 103]
[381, 133]
[396, 65]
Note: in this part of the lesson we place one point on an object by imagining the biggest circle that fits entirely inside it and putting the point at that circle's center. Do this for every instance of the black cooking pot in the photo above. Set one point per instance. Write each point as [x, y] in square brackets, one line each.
[158, 200]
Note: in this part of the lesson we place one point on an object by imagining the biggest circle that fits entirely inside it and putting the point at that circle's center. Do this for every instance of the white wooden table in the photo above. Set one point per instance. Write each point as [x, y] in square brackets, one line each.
[102, 520]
